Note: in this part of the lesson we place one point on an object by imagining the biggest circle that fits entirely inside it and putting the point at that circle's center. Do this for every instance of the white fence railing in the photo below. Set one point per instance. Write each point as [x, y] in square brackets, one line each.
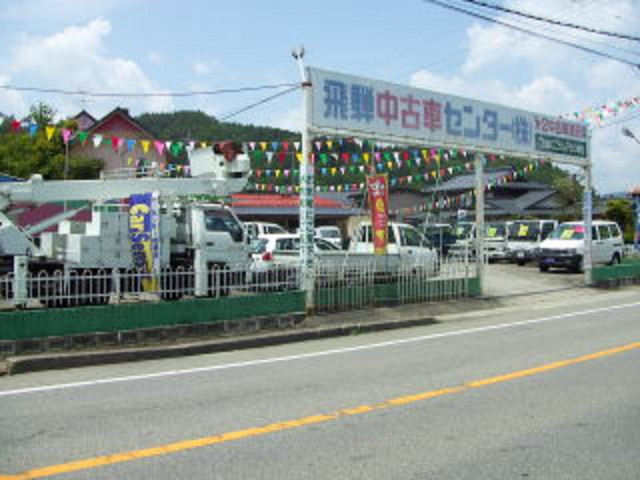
[411, 280]
[95, 287]
[338, 285]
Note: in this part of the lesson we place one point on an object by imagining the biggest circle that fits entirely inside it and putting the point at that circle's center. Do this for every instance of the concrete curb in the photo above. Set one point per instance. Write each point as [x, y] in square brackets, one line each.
[40, 362]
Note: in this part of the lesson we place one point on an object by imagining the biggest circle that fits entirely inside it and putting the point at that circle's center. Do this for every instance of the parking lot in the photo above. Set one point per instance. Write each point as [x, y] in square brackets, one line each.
[504, 279]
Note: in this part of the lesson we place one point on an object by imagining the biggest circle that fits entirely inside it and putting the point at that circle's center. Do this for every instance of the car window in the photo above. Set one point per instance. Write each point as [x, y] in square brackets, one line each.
[223, 221]
[411, 238]
[324, 245]
[615, 230]
[365, 235]
[567, 232]
[525, 231]
[274, 229]
[286, 244]
[547, 228]
[604, 232]
[258, 245]
[493, 230]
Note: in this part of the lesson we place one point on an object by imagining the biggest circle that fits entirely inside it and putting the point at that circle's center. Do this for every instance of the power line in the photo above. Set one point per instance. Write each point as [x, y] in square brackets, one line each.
[530, 32]
[258, 103]
[195, 93]
[552, 21]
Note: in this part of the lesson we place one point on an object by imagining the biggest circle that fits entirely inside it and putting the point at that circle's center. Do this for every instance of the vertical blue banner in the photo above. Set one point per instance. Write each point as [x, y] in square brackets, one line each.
[142, 223]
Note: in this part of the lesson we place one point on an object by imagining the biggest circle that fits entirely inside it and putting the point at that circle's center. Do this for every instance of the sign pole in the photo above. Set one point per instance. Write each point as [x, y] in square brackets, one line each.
[587, 213]
[480, 269]
[307, 192]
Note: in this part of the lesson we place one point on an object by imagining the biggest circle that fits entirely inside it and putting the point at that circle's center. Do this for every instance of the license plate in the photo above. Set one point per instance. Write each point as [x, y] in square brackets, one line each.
[548, 260]
[520, 254]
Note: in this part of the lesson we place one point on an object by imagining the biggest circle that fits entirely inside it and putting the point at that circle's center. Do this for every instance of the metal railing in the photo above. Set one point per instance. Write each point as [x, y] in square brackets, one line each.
[409, 280]
[98, 287]
[339, 286]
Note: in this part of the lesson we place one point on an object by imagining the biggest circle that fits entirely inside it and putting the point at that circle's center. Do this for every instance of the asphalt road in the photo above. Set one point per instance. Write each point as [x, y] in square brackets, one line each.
[549, 392]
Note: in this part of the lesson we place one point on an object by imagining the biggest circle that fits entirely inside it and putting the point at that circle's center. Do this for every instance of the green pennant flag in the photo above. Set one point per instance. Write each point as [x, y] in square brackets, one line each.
[82, 136]
[176, 148]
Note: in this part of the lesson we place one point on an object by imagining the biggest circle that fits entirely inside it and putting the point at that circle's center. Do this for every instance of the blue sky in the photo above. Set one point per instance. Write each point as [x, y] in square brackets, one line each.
[166, 46]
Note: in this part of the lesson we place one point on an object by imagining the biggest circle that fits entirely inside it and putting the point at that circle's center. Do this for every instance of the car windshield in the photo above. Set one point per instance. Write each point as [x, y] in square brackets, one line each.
[463, 230]
[324, 245]
[330, 233]
[524, 231]
[568, 232]
[494, 230]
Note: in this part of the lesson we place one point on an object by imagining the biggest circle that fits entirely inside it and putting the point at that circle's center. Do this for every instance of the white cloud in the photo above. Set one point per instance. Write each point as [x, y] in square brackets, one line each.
[201, 68]
[67, 10]
[76, 59]
[156, 58]
[514, 69]
[11, 102]
[291, 120]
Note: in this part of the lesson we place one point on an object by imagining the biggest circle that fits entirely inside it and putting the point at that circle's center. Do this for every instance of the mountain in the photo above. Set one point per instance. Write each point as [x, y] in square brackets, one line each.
[196, 125]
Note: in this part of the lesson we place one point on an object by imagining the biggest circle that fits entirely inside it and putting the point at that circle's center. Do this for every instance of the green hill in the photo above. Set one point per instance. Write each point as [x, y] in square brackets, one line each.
[196, 125]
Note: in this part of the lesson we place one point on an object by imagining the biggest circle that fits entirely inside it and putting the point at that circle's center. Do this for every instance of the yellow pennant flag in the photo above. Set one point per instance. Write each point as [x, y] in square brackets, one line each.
[263, 146]
[145, 145]
[365, 157]
[299, 157]
[50, 130]
[329, 144]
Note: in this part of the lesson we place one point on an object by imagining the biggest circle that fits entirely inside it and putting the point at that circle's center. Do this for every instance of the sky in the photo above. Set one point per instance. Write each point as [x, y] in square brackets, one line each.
[163, 46]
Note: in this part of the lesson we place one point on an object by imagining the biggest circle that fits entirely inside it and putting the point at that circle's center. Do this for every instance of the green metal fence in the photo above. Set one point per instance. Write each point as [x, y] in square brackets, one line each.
[625, 272]
[52, 322]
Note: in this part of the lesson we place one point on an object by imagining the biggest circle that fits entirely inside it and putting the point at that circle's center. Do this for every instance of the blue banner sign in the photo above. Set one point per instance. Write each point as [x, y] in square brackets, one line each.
[360, 106]
[143, 221]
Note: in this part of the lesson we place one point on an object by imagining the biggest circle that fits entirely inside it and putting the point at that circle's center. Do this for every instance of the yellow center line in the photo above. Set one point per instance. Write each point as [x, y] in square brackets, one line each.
[95, 462]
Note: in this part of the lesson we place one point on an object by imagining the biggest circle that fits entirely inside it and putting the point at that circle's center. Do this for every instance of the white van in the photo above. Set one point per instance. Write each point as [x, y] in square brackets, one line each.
[263, 229]
[403, 239]
[331, 234]
[564, 247]
[524, 238]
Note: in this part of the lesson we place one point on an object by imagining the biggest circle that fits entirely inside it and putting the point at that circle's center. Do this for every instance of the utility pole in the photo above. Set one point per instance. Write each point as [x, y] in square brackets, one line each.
[307, 190]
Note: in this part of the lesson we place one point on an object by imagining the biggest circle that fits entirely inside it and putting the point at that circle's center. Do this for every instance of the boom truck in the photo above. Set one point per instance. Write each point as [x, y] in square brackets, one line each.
[173, 228]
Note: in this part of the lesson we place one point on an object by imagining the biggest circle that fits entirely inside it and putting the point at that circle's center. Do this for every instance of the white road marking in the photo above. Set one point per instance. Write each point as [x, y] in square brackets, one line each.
[323, 353]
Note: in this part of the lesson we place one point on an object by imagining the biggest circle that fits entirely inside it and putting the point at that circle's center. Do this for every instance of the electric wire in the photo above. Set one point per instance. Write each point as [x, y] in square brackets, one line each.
[86, 93]
[552, 21]
[533, 33]
[258, 103]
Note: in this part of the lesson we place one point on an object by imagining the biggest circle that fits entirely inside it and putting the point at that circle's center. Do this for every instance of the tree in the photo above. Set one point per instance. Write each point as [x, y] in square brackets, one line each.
[42, 114]
[620, 210]
[570, 195]
[23, 154]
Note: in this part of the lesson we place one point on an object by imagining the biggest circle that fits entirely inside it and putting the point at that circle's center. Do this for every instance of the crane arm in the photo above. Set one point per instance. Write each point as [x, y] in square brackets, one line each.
[215, 175]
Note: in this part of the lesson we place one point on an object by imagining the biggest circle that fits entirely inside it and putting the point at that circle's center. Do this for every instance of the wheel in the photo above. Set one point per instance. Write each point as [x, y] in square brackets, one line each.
[543, 267]
[578, 267]
[615, 260]
[520, 262]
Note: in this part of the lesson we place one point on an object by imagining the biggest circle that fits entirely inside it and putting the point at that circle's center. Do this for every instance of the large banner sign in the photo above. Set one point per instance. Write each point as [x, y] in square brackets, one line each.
[143, 234]
[378, 189]
[355, 105]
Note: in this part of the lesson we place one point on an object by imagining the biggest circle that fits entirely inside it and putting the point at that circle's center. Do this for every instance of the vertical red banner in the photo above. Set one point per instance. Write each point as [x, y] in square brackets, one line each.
[378, 189]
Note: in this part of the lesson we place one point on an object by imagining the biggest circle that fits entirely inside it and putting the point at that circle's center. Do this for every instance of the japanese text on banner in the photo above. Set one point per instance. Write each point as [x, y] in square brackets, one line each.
[379, 202]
